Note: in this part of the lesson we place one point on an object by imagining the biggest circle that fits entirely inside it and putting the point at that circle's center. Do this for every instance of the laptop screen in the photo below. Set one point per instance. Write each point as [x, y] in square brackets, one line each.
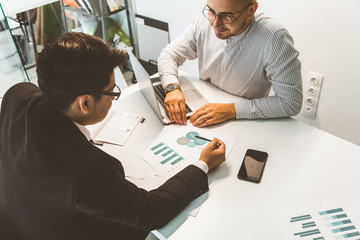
[145, 84]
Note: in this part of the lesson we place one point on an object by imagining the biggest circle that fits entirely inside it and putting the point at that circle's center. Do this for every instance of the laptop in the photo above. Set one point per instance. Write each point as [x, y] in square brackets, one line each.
[155, 95]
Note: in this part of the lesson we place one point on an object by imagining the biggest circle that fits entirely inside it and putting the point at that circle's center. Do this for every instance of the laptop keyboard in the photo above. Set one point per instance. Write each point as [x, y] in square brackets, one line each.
[160, 95]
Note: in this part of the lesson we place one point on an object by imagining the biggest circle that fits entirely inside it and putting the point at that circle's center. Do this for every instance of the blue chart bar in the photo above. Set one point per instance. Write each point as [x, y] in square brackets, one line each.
[331, 211]
[177, 160]
[300, 218]
[308, 233]
[339, 216]
[339, 223]
[335, 217]
[157, 146]
[343, 229]
[169, 158]
[313, 225]
[161, 150]
[167, 153]
[309, 224]
[351, 235]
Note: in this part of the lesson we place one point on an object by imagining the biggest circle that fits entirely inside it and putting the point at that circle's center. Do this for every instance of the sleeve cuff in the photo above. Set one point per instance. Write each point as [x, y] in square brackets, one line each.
[243, 109]
[169, 79]
[202, 165]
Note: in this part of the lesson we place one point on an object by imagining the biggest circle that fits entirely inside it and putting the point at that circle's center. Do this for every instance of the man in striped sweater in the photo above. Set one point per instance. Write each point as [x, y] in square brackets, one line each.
[240, 52]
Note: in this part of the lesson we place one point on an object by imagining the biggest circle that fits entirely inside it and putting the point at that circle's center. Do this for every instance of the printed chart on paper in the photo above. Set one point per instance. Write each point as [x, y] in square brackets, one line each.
[338, 220]
[176, 148]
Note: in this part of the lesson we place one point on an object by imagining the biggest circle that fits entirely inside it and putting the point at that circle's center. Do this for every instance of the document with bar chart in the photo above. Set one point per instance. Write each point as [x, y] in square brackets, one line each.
[178, 147]
[323, 221]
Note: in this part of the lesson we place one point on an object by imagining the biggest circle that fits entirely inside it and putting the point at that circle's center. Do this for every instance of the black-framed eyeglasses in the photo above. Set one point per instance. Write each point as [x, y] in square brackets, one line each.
[115, 94]
[225, 18]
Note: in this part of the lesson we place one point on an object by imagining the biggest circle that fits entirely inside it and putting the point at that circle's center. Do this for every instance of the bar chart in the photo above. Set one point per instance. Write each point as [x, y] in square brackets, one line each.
[177, 147]
[306, 227]
[333, 223]
[340, 224]
[166, 154]
[165, 159]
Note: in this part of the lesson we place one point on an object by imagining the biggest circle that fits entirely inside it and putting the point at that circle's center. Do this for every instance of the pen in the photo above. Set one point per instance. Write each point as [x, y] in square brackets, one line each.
[206, 139]
[203, 138]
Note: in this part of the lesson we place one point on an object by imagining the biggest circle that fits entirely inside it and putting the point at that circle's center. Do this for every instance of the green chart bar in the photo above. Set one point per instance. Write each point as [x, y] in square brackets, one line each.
[343, 229]
[161, 150]
[338, 223]
[300, 218]
[339, 216]
[169, 158]
[307, 233]
[331, 211]
[168, 152]
[157, 146]
[335, 217]
[351, 234]
[177, 160]
[308, 224]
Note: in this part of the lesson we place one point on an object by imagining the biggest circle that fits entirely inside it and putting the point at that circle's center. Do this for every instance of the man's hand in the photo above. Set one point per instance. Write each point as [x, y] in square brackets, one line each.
[175, 106]
[212, 113]
[213, 154]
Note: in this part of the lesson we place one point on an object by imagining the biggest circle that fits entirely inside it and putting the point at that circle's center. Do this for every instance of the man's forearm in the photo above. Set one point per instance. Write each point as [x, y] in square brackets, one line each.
[268, 107]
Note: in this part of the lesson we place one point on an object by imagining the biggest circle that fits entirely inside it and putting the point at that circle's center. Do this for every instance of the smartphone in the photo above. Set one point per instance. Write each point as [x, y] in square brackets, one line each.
[253, 166]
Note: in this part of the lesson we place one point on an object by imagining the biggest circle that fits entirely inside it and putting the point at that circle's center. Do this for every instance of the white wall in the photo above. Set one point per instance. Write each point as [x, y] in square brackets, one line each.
[327, 34]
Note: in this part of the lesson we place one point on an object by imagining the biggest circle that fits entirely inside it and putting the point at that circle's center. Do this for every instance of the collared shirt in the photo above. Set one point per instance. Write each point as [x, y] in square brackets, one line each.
[246, 65]
[200, 164]
[84, 131]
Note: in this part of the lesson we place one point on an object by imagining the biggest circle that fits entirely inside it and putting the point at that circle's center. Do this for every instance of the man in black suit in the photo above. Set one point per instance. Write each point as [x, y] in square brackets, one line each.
[55, 184]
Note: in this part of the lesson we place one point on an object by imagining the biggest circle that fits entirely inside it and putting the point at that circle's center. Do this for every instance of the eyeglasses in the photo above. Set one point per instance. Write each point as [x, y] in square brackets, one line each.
[225, 18]
[115, 94]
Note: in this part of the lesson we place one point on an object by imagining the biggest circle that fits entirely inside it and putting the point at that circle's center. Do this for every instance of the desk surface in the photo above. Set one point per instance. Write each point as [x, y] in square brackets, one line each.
[305, 164]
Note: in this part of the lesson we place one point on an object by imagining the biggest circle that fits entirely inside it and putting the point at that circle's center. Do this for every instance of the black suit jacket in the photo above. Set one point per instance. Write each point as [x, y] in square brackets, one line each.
[54, 184]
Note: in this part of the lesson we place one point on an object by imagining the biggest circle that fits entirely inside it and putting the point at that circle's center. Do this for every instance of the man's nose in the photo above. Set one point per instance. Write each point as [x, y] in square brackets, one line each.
[217, 22]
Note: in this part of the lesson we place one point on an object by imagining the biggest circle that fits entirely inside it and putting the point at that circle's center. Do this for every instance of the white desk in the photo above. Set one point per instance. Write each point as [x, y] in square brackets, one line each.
[305, 164]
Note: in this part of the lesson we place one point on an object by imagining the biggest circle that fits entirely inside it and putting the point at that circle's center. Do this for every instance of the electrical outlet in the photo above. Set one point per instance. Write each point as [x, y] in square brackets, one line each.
[312, 89]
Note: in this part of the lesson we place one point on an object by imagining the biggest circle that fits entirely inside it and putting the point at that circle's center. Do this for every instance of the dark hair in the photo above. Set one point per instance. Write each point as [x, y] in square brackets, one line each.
[74, 64]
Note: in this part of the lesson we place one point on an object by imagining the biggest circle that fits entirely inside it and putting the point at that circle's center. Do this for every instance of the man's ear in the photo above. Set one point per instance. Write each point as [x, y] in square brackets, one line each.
[253, 9]
[83, 103]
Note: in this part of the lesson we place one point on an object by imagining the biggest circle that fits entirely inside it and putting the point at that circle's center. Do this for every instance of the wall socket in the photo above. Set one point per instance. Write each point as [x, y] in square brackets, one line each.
[312, 89]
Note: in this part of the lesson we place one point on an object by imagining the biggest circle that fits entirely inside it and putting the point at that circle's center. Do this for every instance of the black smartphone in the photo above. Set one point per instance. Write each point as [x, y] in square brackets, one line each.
[253, 166]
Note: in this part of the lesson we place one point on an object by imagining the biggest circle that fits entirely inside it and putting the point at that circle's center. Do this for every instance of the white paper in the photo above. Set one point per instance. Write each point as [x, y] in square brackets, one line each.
[96, 128]
[128, 155]
[337, 218]
[194, 207]
[175, 148]
[119, 128]
[133, 167]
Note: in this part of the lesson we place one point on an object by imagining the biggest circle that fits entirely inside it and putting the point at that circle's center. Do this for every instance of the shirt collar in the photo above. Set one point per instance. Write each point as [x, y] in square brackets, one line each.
[84, 131]
[241, 35]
